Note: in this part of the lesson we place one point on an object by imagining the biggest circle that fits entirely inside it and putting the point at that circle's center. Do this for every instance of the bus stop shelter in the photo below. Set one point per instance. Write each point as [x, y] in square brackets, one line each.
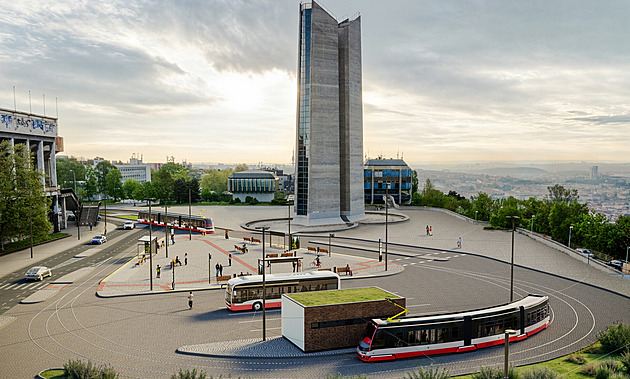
[144, 242]
[296, 261]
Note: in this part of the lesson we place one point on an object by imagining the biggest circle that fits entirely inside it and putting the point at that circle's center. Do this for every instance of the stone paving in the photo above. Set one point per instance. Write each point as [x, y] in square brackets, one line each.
[200, 255]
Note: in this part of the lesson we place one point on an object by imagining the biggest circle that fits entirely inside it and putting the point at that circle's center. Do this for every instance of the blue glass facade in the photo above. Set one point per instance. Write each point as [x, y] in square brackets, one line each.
[379, 174]
[301, 201]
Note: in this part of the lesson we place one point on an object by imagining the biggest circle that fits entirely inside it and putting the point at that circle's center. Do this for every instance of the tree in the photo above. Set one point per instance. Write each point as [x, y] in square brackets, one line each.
[114, 184]
[414, 182]
[483, 206]
[240, 167]
[216, 180]
[22, 197]
[101, 170]
[130, 186]
[206, 195]
[91, 184]
[69, 169]
[558, 194]
[163, 184]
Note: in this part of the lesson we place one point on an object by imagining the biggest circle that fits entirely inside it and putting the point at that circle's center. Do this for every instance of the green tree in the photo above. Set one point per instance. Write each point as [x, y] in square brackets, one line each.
[216, 180]
[69, 169]
[114, 184]
[176, 170]
[414, 183]
[148, 191]
[558, 194]
[206, 195]
[483, 205]
[101, 169]
[130, 186]
[22, 195]
[163, 184]
[240, 167]
[91, 183]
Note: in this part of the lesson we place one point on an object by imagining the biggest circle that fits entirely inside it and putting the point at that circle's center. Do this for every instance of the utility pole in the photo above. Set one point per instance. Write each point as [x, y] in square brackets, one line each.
[386, 219]
[513, 218]
[264, 318]
[151, 245]
[189, 217]
[166, 229]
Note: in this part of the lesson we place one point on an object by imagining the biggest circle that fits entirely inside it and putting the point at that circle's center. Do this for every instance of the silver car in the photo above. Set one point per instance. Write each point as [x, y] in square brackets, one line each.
[38, 273]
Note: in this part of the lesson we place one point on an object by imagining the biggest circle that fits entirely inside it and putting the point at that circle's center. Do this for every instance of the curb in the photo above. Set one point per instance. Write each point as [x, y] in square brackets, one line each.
[39, 375]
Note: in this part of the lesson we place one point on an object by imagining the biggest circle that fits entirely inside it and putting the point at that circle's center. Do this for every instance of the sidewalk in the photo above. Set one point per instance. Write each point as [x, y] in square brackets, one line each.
[200, 271]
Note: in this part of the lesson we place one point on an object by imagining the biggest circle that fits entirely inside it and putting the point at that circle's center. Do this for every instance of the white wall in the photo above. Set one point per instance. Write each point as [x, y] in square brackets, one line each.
[293, 322]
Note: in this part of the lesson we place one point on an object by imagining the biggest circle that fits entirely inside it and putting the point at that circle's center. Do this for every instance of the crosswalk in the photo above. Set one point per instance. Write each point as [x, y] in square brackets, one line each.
[23, 285]
[428, 258]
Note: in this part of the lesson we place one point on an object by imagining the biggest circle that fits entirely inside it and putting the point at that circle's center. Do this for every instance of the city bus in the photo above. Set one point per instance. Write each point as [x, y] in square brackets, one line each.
[177, 221]
[453, 332]
[245, 292]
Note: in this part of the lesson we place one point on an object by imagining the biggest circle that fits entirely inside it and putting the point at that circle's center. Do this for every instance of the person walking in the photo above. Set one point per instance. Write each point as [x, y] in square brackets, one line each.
[172, 239]
[185, 259]
[158, 269]
[293, 266]
[220, 269]
[217, 269]
[105, 231]
[427, 230]
[459, 242]
[190, 300]
[430, 230]
[230, 260]
[226, 235]
[90, 226]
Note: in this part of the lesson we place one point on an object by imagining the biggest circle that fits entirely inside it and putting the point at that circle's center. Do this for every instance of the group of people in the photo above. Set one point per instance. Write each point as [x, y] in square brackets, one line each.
[429, 230]
[219, 268]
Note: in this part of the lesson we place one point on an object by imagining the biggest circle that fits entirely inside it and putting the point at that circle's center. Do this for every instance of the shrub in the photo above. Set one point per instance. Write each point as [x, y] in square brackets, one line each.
[494, 373]
[576, 358]
[615, 338]
[609, 364]
[603, 372]
[189, 374]
[625, 361]
[589, 369]
[539, 373]
[428, 373]
[81, 370]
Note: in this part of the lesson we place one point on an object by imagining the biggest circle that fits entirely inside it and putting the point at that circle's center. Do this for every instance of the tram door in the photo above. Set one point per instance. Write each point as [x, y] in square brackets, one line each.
[467, 330]
[522, 319]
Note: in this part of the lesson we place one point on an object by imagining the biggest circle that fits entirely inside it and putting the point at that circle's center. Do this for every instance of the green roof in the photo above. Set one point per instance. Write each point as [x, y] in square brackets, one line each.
[350, 295]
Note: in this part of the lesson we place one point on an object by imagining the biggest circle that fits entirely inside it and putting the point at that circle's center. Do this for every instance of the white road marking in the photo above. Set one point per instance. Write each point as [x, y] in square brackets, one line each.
[268, 319]
[418, 305]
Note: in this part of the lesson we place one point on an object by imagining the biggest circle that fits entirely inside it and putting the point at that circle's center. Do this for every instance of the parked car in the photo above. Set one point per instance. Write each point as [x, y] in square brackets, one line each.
[615, 264]
[99, 240]
[38, 273]
[586, 252]
[71, 217]
[129, 225]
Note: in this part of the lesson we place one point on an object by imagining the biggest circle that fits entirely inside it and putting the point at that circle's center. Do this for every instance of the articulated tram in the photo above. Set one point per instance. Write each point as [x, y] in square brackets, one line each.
[453, 332]
[177, 221]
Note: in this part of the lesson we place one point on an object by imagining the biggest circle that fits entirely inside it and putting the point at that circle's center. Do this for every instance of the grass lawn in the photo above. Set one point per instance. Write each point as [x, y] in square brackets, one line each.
[19, 245]
[341, 296]
[129, 217]
[53, 374]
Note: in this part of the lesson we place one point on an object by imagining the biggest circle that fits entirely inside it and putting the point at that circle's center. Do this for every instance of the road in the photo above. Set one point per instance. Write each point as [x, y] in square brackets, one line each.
[139, 335]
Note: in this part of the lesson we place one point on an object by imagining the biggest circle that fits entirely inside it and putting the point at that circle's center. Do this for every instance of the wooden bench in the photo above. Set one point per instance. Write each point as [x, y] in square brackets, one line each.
[239, 248]
[224, 279]
[256, 240]
[324, 269]
[286, 254]
[272, 255]
[323, 251]
[342, 270]
[141, 260]
[311, 248]
[247, 239]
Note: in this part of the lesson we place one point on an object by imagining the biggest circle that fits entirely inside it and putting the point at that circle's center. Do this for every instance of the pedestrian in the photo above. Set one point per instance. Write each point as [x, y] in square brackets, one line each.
[90, 226]
[185, 259]
[158, 269]
[177, 261]
[105, 231]
[230, 260]
[190, 300]
[172, 239]
[459, 242]
[226, 235]
[430, 230]
[217, 269]
[220, 269]
[293, 266]
[427, 230]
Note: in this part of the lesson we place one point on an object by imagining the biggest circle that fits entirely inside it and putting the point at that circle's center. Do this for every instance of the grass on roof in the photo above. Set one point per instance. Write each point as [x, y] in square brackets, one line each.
[350, 295]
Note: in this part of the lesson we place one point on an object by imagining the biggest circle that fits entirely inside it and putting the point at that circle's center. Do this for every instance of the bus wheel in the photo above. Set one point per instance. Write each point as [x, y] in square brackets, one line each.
[257, 306]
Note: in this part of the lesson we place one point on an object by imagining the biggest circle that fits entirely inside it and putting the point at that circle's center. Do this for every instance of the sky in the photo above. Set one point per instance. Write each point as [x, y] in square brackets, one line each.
[216, 81]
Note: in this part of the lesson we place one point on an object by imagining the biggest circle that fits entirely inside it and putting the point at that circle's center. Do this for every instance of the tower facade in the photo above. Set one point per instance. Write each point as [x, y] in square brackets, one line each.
[329, 138]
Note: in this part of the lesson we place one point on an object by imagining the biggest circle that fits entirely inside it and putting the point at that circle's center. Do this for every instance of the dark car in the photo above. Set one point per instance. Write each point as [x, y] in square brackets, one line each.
[615, 264]
[71, 217]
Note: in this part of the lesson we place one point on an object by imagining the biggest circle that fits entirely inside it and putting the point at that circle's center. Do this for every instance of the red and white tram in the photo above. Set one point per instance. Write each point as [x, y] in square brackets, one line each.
[453, 332]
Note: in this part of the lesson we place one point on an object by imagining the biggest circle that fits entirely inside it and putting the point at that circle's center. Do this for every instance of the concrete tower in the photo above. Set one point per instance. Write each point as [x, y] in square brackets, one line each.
[329, 138]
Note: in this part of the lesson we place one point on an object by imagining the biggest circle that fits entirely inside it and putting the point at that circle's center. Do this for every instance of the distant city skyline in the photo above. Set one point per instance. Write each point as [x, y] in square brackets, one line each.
[215, 81]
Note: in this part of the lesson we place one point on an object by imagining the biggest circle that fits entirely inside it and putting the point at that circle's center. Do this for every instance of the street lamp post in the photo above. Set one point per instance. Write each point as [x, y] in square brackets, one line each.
[289, 218]
[30, 218]
[508, 332]
[189, 217]
[513, 218]
[151, 247]
[531, 229]
[264, 297]
[106, 212]
[476, 215]
[570, 229]
[75, 181]
[626, 265]
[386, 219]
[329, 237]
[166, 229]
[209, 266]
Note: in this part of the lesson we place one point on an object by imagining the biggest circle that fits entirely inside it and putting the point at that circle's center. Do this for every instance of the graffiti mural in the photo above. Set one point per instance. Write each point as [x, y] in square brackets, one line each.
[28, 125]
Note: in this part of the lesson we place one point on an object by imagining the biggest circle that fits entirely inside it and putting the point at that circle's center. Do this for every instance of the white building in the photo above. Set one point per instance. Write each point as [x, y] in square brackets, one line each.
[135, 169]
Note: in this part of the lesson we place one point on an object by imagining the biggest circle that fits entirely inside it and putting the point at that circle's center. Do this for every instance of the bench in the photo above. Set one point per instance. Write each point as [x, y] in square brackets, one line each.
[247, 239]
[311, 248]
[242, 250]
[286, 254]
[224, 279]
[324, 269]
[256, 240]
[323, 251]
[141, 260]
[342, 270]
[272, 256]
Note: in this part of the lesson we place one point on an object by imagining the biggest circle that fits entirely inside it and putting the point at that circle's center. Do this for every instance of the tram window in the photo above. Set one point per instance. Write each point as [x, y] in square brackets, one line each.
[413, 337]
[455, 333]
[424, 337]
[379, 339]
[479, 330]
[442, 335]
[489, 329]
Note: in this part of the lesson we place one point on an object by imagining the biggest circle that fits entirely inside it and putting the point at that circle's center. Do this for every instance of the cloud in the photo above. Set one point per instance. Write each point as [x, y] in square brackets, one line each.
[601, 120]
